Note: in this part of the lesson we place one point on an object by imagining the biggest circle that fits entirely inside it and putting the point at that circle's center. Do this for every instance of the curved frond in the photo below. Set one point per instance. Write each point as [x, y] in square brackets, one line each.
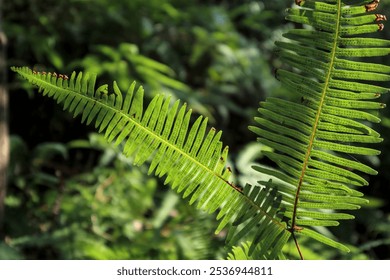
[317, 135]
[190, 157]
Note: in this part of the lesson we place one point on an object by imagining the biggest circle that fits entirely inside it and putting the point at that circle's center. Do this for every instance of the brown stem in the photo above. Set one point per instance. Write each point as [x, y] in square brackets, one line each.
[297, 246]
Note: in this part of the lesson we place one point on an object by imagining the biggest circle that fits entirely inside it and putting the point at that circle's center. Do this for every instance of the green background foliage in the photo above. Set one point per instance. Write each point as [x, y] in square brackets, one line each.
[81, 199]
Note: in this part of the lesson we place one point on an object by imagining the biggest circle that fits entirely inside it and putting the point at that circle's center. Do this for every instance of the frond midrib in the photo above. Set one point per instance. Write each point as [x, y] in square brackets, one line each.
[144, 128]
[164, 141]
[318, 114]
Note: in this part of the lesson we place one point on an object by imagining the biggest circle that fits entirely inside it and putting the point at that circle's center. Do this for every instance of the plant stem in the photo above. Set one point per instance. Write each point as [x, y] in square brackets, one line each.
[297, 246]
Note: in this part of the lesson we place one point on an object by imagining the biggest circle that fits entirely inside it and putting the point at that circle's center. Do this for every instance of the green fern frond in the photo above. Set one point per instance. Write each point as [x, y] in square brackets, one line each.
[192, 160]
[328, 119]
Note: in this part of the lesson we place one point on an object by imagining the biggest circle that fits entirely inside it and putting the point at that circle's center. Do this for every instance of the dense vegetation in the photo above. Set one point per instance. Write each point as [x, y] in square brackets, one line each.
[72, 198]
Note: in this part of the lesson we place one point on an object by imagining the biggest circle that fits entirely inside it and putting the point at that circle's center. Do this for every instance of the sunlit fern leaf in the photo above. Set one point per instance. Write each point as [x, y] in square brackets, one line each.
[328, 117]
[242, 252]
[191, 158]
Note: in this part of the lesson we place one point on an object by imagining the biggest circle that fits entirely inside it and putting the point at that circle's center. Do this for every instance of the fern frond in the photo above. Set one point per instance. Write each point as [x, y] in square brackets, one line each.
[192, 159]
[333, 87]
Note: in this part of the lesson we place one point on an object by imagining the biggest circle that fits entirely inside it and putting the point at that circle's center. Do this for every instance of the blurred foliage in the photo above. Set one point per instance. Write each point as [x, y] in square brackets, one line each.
[89, 202]
[80, 199]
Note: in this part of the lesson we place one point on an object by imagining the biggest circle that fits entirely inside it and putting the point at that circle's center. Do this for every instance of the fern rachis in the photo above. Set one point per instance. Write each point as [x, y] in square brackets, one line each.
[312, 134]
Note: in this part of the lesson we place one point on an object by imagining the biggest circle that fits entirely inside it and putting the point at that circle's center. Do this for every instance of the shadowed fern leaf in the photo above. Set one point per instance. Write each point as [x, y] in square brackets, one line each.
[191, 159]
[329, 116]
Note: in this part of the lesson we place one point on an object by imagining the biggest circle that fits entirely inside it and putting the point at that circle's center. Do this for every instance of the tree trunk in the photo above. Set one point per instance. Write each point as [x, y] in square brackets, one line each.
[4, 137]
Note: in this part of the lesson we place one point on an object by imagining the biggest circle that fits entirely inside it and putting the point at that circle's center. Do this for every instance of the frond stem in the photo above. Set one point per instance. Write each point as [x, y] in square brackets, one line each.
[297, 246]
[315, 126]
